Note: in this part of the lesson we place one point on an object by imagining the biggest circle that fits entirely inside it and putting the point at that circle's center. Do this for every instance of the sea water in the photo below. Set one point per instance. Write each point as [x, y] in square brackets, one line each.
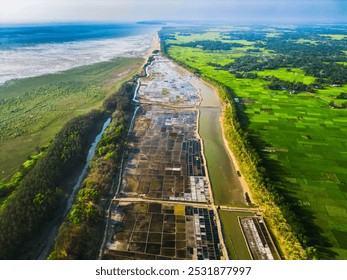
[27, 51]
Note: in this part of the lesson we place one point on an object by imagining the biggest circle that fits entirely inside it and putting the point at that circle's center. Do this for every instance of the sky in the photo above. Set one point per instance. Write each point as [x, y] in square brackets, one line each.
[234, 11]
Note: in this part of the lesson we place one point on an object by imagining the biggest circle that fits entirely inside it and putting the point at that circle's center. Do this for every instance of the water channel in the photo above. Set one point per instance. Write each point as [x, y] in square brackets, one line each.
[226, 186]
[49, 241]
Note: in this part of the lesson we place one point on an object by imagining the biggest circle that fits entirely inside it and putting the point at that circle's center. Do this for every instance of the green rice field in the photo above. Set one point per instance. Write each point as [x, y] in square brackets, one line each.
[295, 75]
[302, 139]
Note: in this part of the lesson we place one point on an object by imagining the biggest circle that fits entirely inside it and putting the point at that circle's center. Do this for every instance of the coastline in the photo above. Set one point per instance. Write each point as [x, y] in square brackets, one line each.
[155, 46]
[68, 56]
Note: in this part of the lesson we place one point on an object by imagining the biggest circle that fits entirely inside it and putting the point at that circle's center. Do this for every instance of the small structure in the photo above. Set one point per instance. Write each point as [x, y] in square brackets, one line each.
[258, 238]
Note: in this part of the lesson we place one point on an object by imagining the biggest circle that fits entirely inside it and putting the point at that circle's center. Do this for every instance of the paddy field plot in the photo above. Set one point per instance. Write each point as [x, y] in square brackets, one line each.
[294, 75]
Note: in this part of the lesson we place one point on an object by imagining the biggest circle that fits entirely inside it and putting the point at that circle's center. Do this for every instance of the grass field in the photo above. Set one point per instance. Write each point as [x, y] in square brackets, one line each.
[335, 36]
[33, 110]
[305, 41]
[200, 58]
[303, 141]
[272, 35]
[210, 35]
[295, 75]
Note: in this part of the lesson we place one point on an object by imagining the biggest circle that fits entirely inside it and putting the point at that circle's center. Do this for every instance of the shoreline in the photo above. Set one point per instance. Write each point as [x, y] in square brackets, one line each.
[155, 46]
[106, 51]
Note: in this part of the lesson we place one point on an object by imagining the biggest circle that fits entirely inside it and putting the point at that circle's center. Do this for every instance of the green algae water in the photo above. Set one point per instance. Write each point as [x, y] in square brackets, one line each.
[226, 187]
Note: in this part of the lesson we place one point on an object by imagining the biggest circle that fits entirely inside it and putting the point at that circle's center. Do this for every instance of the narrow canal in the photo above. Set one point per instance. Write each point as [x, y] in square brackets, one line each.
[52, 233]
[226, 186]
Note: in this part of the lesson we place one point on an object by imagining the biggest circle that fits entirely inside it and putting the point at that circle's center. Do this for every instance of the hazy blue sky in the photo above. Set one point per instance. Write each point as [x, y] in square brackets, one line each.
[245, 11]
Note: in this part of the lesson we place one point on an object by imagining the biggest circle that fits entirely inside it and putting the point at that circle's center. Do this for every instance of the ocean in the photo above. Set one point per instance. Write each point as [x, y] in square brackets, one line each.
[27, 51]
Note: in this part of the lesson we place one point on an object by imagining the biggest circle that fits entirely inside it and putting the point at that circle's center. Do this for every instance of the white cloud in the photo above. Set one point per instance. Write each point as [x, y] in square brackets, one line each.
[133, 10]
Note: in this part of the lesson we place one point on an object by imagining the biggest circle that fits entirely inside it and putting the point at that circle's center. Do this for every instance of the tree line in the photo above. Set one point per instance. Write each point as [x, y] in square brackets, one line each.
[211, 45]
[40, 192]
[81, 232]
[6, 188]
[80, 235]
[288, 231]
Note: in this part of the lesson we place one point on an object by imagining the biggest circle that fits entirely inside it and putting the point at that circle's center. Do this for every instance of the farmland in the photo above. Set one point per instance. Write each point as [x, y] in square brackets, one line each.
[33, 110]
[294, 74]
[300, 138]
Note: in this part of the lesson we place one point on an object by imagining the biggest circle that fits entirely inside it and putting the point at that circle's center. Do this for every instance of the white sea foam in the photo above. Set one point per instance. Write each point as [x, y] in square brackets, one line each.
[51, 58]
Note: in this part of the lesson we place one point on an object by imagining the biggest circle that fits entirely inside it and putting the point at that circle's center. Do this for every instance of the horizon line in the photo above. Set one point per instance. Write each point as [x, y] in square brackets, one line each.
[165, 22]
